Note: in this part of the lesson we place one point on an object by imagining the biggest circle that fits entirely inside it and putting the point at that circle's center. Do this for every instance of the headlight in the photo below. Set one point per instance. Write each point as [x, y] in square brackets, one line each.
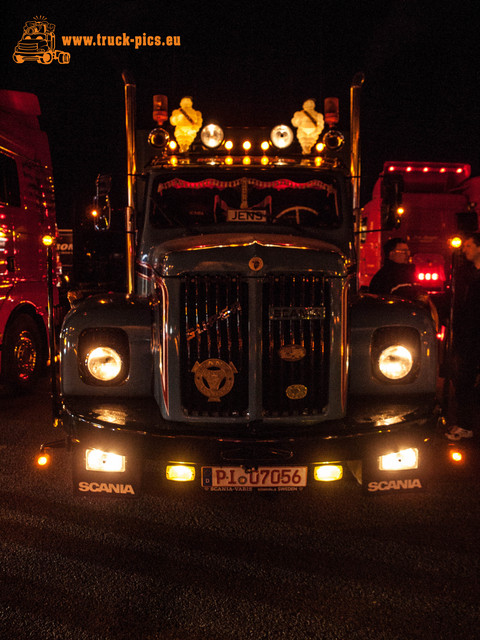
[281, 136]
[104, 363]
[399, 461]
[97, 460]
[396, 354]
[212, 136]
[395, 362]
[103, 356]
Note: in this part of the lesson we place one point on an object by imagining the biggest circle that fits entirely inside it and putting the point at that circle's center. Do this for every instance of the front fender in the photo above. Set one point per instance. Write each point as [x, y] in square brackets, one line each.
[370, 315]
[124, 315]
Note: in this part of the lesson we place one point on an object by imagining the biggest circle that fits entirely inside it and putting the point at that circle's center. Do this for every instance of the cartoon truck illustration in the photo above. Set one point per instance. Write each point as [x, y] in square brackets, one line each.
[38, 43]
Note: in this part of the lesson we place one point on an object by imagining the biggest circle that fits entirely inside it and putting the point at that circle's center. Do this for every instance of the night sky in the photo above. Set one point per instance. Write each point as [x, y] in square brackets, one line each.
[254, 63]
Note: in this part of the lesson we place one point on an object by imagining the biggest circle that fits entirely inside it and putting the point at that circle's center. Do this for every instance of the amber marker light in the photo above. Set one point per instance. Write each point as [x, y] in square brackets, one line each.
[247, 145]
[43, 460]
[228, 145]
[456, 456]
[48, 240]
[456, 242]
[229, 160]
[172, 145]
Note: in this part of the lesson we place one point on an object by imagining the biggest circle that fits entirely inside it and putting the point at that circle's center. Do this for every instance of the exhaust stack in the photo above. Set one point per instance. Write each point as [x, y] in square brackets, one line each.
[130, 224]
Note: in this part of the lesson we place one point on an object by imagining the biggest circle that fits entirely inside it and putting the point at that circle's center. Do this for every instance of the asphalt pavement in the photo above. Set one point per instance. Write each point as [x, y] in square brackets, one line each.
[327, 564]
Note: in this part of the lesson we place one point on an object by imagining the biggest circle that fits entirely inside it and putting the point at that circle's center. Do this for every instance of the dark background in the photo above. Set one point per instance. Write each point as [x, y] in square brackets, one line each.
[254, 63]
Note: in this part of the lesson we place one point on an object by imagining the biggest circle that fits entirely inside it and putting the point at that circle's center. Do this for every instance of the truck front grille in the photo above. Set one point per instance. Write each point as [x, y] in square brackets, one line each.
[271, 334]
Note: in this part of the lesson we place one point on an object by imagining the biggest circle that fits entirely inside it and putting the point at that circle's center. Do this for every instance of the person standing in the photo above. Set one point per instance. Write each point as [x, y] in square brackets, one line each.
[397, 271]
[466, 340]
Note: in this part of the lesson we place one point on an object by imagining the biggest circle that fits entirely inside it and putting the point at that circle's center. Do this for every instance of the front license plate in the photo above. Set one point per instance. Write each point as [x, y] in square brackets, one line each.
[238, 479]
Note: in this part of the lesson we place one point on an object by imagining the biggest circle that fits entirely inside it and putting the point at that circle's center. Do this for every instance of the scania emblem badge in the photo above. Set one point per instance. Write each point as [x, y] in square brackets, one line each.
[296, 391]
[255, 264]
[292, 352]
[214, 378]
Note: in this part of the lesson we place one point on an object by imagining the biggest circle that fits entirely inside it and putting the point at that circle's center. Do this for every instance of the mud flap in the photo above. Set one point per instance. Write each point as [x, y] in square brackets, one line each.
[377, 482]
[125, 484]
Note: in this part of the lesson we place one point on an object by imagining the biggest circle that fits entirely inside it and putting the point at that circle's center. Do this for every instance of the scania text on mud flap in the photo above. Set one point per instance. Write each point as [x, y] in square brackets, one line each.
[241, 357]
[27, 216]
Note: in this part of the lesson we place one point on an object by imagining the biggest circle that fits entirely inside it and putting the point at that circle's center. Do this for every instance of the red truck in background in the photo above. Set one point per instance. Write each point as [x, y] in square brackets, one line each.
[438, 201]
[27, 216]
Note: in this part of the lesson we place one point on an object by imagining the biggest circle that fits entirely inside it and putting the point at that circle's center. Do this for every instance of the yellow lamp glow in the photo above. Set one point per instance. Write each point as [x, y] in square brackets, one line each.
[328, 472]
[456, 242]
[48, 240]
[247, 145]
[43, 460]
[180, 472]
[456, 456]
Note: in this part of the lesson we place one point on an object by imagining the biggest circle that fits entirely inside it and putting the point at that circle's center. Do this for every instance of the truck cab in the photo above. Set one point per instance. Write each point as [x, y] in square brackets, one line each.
[243, 357]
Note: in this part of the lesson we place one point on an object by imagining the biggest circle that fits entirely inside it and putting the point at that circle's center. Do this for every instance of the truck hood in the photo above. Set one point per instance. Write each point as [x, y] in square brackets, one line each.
[246, 254]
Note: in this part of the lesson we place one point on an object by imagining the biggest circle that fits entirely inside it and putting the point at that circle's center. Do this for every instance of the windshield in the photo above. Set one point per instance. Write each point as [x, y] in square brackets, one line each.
[306, 201]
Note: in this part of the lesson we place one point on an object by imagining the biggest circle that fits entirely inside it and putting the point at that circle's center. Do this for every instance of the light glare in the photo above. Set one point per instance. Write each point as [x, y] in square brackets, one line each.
[104, 363]
[180, 472]
[328, 472]
[399, 461]
[395, 362]
[97, 460]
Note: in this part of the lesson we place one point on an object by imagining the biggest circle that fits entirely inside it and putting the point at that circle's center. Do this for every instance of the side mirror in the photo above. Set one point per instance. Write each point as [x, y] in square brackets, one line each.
[102, 211]
[392, 193]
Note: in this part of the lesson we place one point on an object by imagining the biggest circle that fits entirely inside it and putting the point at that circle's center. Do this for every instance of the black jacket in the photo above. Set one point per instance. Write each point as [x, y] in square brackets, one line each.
[392, 275]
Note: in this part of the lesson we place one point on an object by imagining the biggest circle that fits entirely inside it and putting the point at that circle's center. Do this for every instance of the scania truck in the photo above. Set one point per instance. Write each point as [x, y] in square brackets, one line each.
[242, 356]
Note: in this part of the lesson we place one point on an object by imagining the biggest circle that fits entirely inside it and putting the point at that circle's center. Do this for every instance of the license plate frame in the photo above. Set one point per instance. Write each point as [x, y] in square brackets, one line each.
[268, 478]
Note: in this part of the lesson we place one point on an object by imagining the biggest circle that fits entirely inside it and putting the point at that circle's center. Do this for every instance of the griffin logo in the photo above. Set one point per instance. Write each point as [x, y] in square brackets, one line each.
[214, 378]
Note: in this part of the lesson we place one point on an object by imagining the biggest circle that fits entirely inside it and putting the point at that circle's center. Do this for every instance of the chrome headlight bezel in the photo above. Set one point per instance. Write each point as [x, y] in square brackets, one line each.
[116, 345]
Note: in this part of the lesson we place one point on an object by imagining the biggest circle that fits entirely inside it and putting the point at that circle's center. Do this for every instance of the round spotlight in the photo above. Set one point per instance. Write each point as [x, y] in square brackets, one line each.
[281, 136]
[212, 136]
[334, 140]
[158, 138]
